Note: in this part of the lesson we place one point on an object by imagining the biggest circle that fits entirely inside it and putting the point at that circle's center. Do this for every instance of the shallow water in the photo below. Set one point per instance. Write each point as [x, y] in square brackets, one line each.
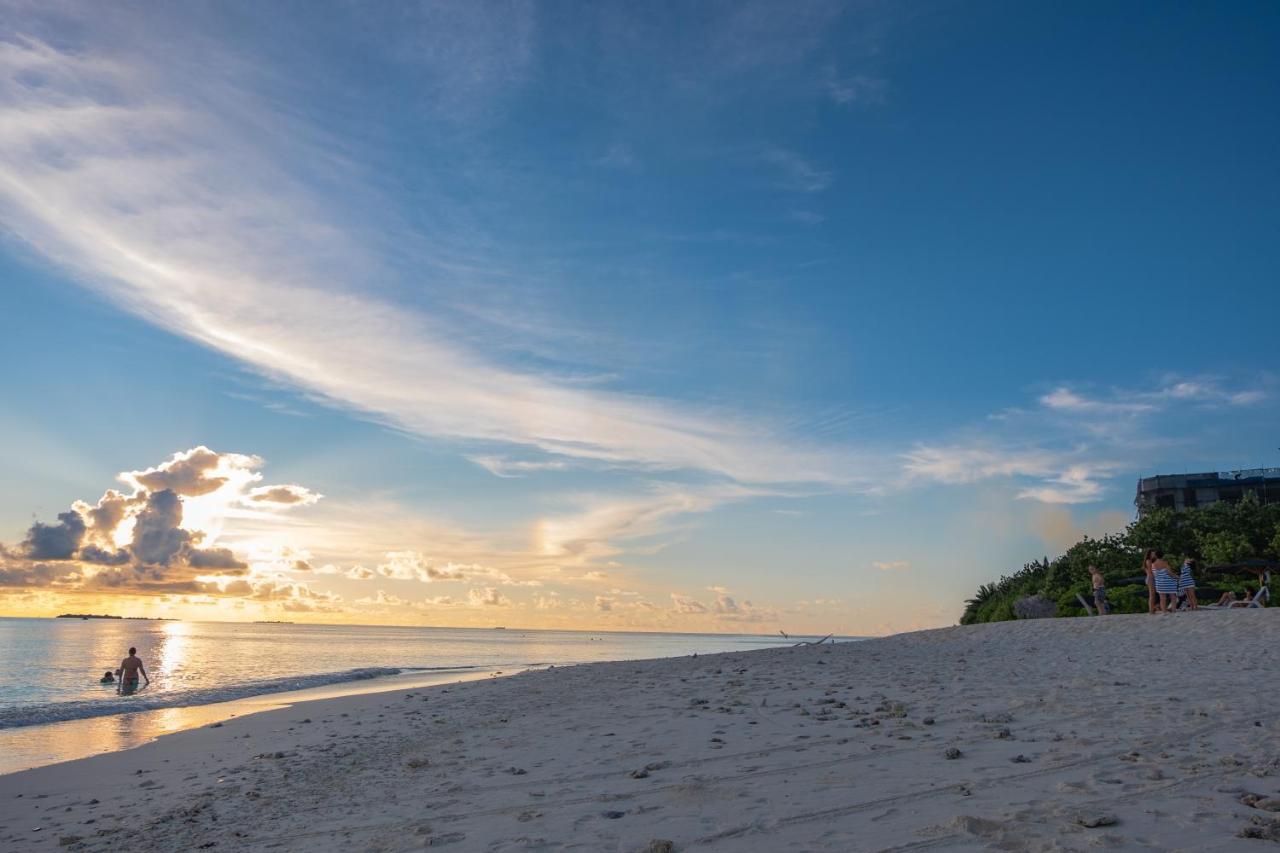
[52, 707]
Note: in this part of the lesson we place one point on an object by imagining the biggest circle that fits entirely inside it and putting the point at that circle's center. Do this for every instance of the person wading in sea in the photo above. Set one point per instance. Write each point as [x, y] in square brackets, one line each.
[130, 667]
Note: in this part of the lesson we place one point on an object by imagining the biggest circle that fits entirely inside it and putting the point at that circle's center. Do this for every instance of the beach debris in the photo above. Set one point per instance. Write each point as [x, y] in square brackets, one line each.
[996, 718]
[1020, 759]
[417, 763]
[893, 710]
[517, 771]
[612, 815]
[1092, 820]
[68, 840]
[1264, 829]
[216, 726]
[640, 774]
[660, 845]
[1003, 734]
[952, 753]
[928, 721]
[977, 825]
[657, 765]
[447, 838]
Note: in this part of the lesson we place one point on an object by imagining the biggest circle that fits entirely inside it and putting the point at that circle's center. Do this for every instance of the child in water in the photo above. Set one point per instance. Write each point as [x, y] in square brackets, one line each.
[107, 678]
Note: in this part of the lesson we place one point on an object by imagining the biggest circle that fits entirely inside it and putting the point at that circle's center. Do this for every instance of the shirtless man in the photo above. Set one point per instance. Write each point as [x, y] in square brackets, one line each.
[129, 669]
[1099, 591]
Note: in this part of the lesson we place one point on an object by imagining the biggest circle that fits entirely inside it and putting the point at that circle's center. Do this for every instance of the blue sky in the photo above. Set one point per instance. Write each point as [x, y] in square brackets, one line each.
[614, 316]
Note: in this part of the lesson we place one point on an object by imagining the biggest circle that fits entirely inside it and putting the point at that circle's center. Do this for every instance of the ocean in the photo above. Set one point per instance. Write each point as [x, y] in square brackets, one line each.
[52, 707]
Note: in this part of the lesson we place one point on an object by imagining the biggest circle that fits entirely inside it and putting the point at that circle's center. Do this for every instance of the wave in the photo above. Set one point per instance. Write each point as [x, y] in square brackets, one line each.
[145, 700]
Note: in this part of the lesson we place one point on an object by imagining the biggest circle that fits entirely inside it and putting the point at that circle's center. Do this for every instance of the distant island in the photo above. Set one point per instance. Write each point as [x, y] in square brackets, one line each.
[106, 616]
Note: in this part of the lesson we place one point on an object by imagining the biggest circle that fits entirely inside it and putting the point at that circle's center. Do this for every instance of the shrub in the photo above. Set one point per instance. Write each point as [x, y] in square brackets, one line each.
[1218, 533]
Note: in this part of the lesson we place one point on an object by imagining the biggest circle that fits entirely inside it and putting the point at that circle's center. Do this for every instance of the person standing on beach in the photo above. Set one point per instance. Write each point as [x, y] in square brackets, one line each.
[1099, 591]
[1147, 560]
[1166, 583]
[130, 667]
[1187, 583]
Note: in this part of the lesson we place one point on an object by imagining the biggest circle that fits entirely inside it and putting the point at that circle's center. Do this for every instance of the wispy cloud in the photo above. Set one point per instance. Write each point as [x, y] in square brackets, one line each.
[597, 531]
[1064, 450]
[794, 173]
[861, 89]
[510, 468]
[167, 210]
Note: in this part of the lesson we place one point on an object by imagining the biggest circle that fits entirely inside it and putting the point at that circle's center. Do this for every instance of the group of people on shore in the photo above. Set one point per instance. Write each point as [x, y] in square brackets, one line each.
[1166, 589]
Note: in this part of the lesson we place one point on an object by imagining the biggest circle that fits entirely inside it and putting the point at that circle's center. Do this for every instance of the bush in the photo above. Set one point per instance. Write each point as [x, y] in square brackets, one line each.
[1218, 533]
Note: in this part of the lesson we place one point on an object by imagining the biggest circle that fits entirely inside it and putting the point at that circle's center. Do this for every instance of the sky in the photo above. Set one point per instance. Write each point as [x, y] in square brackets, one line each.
[725, 317]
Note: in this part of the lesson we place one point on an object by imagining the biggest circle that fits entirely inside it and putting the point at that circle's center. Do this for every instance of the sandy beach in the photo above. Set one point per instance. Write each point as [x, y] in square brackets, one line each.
[1155, 732]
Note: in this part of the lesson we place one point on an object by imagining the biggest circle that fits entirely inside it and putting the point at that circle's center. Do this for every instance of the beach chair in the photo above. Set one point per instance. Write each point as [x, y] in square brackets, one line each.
[1259, 599]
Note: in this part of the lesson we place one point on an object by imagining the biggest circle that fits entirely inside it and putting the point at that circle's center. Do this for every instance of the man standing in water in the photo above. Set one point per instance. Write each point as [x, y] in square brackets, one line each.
[129, 669]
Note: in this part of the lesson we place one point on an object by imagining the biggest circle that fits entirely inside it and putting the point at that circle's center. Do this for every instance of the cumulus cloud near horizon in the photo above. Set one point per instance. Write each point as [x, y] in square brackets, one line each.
[144, 542]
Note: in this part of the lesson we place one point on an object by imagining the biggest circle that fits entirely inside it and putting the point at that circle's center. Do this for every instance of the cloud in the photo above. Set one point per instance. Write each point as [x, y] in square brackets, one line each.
[724, 608]
[1060, 480]
[144, 542]
[891, 565]
[410, 565]
[1203, 391]
[1077, 484]
[223, 244]
[158, 537]
[500, 467]
[606, 521]
[860, 89]
[55, 541]
[686, 605]
[959, 464]
[285, 495]
[215, 558]
[190, 474]
[725, 605]
[1067, 400]
[794, 173]
[487, 597]
[604, 603]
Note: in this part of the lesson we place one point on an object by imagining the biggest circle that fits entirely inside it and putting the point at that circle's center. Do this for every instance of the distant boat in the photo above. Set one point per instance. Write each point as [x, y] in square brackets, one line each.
[500, 627]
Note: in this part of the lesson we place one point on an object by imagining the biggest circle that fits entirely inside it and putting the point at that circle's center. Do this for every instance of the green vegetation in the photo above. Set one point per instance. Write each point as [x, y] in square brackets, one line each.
[1217, 534]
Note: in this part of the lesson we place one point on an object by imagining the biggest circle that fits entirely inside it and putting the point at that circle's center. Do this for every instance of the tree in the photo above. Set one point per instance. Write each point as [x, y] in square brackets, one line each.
[1219, 534]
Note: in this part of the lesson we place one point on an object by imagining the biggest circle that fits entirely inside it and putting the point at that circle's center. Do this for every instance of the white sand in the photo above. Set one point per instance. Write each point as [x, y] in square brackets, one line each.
[1161, 723]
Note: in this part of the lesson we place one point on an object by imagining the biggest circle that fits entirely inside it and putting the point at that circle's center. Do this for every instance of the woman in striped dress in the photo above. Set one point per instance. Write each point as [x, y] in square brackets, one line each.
[1187, 583]
[1147, 560]
[1166, 583]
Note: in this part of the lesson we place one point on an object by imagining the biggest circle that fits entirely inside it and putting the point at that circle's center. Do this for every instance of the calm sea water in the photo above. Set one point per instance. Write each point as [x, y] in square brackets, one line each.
[52, 707]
